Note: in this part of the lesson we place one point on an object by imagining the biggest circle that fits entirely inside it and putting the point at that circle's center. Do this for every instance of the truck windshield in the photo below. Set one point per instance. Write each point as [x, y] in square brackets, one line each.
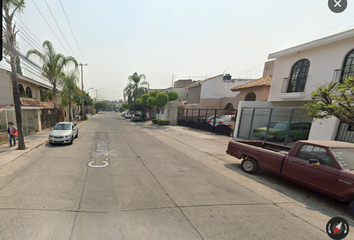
[345, 156]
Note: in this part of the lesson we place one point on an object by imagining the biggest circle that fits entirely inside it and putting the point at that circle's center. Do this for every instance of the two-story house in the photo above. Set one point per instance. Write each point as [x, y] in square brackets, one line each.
[297, 72]
[36, 107]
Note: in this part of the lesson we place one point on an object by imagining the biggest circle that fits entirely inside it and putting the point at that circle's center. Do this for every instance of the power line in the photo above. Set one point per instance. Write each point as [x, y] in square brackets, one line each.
[25, 33]
[18, 19]
[59, 27]
[72, 31]
[49, 26]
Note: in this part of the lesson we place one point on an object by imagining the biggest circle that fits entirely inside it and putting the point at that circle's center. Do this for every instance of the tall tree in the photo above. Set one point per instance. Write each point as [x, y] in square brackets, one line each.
[69, 90]
[10, 8]
[53, 68]
[137, 85]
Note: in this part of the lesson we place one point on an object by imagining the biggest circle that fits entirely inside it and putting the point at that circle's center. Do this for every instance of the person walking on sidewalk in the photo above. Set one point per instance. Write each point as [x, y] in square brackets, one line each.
[12, 131]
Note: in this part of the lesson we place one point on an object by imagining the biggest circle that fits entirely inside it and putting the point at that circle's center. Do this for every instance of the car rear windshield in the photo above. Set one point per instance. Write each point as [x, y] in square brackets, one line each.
[345, 156]
[62, 127]
[277, 125]
[137, 115]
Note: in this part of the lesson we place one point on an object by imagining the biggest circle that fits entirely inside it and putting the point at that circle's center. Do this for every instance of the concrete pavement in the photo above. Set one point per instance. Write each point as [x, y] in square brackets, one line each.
[126, 180]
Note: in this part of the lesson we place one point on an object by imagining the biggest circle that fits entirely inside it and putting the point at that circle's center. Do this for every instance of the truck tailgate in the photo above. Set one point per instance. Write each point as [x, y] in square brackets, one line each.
[268, 160]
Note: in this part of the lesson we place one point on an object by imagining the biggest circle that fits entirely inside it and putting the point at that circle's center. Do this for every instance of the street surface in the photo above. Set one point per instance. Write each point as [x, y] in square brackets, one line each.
[124, 180]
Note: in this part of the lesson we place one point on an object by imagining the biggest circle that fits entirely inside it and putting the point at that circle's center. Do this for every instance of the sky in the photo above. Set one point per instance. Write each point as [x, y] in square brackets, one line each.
[172, 39]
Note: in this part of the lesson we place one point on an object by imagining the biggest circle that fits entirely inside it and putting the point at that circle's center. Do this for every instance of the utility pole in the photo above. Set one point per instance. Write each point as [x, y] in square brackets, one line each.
[82, 89]
[96, 95]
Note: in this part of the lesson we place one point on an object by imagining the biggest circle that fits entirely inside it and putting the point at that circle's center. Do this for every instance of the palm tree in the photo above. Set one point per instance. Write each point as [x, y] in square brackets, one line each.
[53, 68]
[10, 8]
[69, 90]
[136, 86]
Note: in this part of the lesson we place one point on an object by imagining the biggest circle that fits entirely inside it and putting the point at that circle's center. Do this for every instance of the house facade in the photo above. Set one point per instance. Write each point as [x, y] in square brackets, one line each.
[298, 71]
[37, 110]
[214, 93]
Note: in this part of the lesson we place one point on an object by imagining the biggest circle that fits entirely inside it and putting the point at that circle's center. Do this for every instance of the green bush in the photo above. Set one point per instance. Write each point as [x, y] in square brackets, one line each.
[163, 122]
[154, 121]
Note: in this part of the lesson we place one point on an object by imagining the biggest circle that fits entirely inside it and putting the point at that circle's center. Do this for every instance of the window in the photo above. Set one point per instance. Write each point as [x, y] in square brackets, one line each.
[22, 90]
[348, 67]
[298, 76]
[250, 96]
[309, 152]
[28, 92]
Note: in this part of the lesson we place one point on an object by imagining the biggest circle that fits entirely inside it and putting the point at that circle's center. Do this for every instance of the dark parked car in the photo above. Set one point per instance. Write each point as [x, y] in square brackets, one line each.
[136, 117]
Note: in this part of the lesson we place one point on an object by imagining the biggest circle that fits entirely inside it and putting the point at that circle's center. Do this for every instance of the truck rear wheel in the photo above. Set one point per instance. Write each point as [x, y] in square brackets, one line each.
[351, 209]
[249, 165]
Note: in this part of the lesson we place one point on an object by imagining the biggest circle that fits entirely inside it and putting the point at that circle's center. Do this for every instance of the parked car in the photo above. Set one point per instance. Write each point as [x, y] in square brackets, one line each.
[63, 132]
[128, 115]
[136, 117]
[228, 120]
[325, 166]
[123, 114]
[278, 131]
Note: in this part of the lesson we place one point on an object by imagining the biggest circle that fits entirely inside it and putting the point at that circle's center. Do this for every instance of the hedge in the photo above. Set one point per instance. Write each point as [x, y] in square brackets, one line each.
[154, 121]
[163, 122]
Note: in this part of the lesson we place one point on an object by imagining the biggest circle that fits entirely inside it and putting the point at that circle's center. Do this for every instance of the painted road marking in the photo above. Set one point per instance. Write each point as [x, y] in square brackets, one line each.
[101, 150]
[98, 166]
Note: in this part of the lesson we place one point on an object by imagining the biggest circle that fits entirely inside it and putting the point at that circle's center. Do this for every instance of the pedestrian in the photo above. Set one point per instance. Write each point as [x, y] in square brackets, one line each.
[12, 131]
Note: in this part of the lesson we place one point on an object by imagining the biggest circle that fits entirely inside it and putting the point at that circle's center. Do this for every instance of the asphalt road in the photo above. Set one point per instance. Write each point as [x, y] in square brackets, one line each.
[121, 180]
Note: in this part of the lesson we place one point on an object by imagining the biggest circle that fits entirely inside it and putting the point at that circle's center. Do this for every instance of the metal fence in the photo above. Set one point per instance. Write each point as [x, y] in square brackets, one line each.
[212, 120]
[281, 125]
[47, 121]
[345, 133]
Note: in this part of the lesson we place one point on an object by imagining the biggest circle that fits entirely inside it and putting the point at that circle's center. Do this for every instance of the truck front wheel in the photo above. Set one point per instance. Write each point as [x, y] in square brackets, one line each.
[351, 209]
[249, 165]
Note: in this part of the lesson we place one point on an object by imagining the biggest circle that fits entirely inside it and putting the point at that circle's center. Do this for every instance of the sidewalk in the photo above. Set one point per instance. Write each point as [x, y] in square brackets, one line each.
[8, 154]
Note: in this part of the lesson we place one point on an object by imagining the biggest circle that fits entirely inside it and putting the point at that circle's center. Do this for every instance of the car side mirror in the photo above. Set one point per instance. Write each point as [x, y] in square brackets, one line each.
[314, 161]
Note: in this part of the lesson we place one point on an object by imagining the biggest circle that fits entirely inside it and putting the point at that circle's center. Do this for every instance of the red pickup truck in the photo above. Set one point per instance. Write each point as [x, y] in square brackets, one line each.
[325, 166]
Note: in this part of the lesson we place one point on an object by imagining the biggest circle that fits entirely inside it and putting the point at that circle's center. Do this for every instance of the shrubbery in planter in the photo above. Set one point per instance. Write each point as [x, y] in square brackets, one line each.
[154, 121]
[163, 122]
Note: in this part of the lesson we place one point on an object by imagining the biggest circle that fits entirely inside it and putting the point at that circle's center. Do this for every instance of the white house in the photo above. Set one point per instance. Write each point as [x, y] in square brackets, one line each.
[300, 70]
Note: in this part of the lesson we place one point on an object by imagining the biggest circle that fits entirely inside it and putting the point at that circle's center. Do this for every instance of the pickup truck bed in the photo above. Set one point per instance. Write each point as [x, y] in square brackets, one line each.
[272, 155]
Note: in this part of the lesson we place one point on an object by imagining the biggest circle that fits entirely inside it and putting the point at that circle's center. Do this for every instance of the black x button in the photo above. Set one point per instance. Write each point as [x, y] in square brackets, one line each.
[337, 6]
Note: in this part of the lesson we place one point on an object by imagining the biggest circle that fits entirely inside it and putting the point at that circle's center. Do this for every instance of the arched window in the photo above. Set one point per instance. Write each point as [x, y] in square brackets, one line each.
[229, 106]
[348, 66]
[28, 92]
[22, 90]
[250, 96]
[298, 76]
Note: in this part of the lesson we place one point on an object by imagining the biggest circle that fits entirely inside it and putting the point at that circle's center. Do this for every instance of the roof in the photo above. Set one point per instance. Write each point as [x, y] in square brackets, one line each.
[24, 78]
[316, 43]
[198, 83]
[265, 81]
[28, 102]
[331, 144]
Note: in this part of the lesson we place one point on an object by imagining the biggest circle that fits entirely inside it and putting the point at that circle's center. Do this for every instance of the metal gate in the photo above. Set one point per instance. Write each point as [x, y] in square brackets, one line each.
[280, 125]
[213, 120]
[345, 133]
[47, 120]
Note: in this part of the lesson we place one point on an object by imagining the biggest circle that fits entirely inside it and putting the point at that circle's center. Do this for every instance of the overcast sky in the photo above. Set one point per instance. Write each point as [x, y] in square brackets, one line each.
[181, 37]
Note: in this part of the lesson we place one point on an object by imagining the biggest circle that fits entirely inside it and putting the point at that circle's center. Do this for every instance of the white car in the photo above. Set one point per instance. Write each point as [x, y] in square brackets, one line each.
[128, 115]
[63, 132]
